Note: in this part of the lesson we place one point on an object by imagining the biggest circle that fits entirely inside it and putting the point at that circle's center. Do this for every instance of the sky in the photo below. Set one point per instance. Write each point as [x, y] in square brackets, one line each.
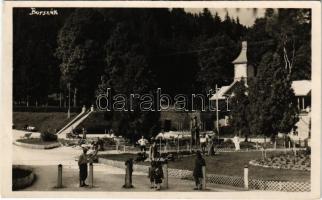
[246, 16]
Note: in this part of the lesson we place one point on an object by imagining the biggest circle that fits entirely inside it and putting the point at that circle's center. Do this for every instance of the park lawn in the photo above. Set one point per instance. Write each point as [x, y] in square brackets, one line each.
[41, 120]
[231, 164]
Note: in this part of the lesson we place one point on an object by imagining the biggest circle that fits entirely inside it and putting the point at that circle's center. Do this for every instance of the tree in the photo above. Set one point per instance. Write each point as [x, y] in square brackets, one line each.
[81, 52]
[35, 71]
[239, 103]
[127, 72]
[215, 64]
[272, 102]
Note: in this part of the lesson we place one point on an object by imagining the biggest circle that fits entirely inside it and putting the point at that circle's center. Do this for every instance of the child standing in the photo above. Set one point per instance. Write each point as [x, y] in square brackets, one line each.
[158, 175]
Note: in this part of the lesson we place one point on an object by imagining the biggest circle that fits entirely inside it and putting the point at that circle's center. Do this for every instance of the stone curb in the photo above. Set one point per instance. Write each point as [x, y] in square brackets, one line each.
[24, 182]
[37, 146]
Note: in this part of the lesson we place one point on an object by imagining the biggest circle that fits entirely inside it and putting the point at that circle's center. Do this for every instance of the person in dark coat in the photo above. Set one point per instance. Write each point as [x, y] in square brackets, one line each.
[158, 173]
[197, 171]
[82, 163]
[152, 174]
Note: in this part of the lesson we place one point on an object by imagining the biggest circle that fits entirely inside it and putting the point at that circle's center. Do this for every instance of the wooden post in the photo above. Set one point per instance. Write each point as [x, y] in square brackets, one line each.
[289, 144]
[246, 177]
[275, 144]
[204, 178]
[124, 148]
[128, 175]
[60, 176]
[165, 175]
[91, 175]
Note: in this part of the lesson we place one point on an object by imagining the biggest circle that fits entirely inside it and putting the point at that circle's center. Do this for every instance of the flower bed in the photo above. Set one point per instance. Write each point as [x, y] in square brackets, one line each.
[301, 161]
[36, 143]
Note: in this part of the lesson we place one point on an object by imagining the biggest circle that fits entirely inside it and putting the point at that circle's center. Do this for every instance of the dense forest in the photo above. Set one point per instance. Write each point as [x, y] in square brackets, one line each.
[138, 50]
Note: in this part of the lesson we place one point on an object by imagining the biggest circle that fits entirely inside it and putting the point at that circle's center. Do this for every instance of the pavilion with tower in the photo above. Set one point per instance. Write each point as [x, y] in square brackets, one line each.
[243, 71]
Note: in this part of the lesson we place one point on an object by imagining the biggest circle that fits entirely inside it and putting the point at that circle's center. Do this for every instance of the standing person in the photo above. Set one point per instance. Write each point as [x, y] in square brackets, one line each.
[153, 150]
[197, 129]
[236, 142]
[151, 174]
[211, 147]
[84, 133]
[203, 143]
[142, 142]
[158, 173]
[82, 163]
[197, 171]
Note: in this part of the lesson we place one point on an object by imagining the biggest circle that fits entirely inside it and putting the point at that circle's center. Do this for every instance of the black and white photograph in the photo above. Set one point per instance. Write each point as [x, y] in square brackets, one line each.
[163, 99]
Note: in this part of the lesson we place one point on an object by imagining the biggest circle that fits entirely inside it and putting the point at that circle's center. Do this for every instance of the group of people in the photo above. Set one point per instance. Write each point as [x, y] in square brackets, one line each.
[207, 145]
[155, 174]
[155, 170]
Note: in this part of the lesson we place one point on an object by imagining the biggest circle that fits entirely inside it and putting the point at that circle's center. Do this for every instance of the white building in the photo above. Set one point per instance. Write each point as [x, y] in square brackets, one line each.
[302, 90]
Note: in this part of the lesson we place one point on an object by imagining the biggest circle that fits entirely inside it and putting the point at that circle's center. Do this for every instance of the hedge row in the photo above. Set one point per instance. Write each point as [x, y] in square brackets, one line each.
[45, 109]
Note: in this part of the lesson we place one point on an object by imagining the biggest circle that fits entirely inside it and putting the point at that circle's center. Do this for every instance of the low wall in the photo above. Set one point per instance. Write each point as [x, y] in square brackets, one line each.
[37, 146]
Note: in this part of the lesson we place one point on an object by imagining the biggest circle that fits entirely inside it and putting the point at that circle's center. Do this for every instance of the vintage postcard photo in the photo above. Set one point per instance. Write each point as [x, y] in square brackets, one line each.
[162, 100]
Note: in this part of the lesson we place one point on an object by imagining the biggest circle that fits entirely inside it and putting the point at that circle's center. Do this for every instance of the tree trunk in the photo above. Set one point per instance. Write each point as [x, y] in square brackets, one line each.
[75, 97]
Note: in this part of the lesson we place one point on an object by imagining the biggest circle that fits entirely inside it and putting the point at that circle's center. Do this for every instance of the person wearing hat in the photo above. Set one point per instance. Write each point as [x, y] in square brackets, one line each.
[82, 163]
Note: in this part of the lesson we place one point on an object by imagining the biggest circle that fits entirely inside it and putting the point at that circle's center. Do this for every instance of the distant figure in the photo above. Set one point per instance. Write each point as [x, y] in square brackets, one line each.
[142, 142]
[211, 147]
[203, 143]
[82, 163]
[197, 171]
[153, 150]
[236, 142]
[195, 129]
[84, 133]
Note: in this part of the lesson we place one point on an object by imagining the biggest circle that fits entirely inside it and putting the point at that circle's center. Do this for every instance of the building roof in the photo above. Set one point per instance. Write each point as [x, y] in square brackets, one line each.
[302, 87]
[242, 58]
[222, 92]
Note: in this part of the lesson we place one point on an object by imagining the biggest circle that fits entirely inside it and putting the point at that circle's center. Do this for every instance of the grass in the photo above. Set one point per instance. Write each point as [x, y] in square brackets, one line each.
[231, 164]
[42, 120]
[37, 141]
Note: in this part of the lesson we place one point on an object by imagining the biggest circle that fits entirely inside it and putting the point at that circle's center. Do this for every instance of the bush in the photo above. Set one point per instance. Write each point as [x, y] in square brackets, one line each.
[247, 145]
[48, 137]
[227, 144]
[226, 131]
[108, 141]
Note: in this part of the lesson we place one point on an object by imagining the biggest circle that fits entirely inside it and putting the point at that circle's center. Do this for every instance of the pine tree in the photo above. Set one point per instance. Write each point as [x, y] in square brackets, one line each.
[239, 103]
[272, 102]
